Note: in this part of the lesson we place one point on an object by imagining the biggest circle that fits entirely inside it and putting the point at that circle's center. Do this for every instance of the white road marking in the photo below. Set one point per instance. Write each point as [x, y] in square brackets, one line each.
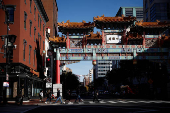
[112, 101]
[101, 102]
[91, 102]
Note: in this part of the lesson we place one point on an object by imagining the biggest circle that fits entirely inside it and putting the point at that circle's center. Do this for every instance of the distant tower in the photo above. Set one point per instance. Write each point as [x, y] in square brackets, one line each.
[131, 11]
[156, 10]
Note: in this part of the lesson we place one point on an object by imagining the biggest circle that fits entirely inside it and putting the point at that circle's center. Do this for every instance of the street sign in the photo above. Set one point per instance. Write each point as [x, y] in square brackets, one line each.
[48, 85]
[5, 84]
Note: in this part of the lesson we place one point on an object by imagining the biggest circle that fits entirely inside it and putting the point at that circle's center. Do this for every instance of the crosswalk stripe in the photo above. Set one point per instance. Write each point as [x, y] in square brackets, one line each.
[91, 102]
[112, 101]
[102, 102]
[123, 101]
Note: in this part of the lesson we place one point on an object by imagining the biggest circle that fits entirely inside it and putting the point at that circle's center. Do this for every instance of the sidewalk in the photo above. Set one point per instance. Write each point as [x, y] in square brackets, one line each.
[34, 102]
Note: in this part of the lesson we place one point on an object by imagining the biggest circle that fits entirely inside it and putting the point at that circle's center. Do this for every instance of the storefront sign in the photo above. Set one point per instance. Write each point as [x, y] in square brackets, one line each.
[111, 39]
[5, 84]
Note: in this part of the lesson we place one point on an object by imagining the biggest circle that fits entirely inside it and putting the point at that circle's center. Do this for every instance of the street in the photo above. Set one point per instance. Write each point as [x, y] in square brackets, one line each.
[104, 105]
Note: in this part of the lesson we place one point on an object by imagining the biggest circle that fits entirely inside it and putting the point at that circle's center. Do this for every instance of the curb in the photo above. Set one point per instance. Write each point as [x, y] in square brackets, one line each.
[29, 109]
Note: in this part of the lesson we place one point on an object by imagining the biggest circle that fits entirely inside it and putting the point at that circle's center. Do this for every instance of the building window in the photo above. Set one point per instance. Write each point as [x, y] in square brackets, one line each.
[25, 18]
[150, 1]
[34, 57]
[30, 48]
[30, 26]
[146, 4]
[159, 11]
[43, 29]
[40, 24]
[10, 10]
[139, 13]
[128, 12]
[38, 37]
[40, 42]
[38, 19]
[34, 33]
[24, 43]
[30, 5]
[43, 45]
[147, 16]
[34, 13]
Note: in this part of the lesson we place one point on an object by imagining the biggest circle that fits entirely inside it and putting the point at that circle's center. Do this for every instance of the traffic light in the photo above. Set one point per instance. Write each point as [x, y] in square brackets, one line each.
[48, 62]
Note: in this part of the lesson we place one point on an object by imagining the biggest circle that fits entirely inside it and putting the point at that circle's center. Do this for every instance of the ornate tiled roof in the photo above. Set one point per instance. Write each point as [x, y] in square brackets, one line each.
[79, 25]
[94, 36]
[156, 24]
[133, 36]
[114, 19]
[58, 39]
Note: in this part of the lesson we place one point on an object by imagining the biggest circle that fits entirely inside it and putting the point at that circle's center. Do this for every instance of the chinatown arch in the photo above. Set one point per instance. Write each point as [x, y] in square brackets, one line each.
[143, 41]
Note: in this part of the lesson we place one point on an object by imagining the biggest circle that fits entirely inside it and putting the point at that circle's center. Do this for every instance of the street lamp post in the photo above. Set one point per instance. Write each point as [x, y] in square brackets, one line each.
[8, 38]
[94, 73]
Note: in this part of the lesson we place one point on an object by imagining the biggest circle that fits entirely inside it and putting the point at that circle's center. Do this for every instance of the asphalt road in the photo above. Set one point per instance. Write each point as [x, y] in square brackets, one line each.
[106, 106]
[88, 106]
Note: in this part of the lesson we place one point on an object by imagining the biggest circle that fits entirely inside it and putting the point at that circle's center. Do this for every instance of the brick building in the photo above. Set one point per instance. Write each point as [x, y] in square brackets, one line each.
[51, 9]
[26, 71]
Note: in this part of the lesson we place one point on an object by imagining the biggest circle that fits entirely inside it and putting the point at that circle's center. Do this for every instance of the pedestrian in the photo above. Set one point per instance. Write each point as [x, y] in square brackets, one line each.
[78, 95]
[68, 96]
[48, 96]
[58, 96]
[41, 95]
[95, 95]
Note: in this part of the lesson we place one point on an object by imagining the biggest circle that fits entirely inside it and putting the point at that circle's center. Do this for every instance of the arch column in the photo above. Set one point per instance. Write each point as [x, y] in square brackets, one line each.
[57, 81]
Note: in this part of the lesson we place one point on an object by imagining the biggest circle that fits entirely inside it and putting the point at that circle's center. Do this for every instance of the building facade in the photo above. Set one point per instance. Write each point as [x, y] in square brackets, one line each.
[26, 71]
[51, 9]
[156, 10]
[131, 11]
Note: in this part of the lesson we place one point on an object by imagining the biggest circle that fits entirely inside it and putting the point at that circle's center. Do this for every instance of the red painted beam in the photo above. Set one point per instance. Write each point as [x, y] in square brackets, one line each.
[57, 81]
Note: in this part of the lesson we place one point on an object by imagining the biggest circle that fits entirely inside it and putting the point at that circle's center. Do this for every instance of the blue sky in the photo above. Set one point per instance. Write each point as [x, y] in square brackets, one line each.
[78, 10]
